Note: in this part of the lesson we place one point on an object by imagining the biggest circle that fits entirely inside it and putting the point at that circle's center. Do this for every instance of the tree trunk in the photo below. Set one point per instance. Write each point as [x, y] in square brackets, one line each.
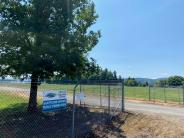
[32, 107]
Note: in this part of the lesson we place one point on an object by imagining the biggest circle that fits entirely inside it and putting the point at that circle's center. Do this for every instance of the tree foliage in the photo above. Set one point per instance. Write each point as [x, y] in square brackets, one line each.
[132, 82]
[93, 72]
[162, 83]
[171, 81]
[42, 38]
[175, 81]
[104, 74]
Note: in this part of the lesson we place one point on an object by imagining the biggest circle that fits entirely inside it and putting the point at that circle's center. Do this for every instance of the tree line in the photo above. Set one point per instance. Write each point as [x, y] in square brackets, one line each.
[95, 72]
[133, 83]
[171, 81]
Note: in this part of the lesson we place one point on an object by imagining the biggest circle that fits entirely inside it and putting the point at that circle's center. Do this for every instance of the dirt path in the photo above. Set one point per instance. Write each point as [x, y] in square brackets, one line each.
[135, 106]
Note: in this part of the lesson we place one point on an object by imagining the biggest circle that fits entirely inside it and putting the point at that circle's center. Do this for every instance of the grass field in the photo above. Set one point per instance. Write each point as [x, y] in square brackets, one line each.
[8, 99]
[13, 104]
[142, 93]
[156, 94]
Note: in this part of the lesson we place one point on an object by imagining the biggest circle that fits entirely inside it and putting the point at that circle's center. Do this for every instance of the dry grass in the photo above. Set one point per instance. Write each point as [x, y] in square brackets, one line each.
[142, 126]
[152, 126]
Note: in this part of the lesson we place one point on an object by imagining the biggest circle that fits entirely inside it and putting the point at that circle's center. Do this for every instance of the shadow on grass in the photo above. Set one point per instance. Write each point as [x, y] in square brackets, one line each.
[15, 122]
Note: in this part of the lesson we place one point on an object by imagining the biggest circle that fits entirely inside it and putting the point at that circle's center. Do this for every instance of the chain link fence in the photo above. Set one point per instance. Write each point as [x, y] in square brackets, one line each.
[102, 101]
[173, 94]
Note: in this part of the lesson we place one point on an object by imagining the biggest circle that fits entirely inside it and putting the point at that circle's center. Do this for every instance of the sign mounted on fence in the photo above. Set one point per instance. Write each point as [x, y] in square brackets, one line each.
[54, 101]
[80, 97]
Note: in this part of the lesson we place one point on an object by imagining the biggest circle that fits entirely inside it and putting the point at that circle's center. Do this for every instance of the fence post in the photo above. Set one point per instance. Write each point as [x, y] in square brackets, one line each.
[109, 98]
[80, 92]
[149, 93]
[165, 99]
[73, 112]
[100, 95]
[183, 94]
[123, 97]
[154, 92]
[178, 95]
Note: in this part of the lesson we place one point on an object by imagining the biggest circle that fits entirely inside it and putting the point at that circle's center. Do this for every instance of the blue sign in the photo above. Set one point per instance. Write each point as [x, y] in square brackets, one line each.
[54, 101]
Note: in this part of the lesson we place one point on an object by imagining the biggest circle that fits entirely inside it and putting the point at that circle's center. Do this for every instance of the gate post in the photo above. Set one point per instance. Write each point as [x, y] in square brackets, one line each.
[73, 111]
[122, 97]
[109, 98]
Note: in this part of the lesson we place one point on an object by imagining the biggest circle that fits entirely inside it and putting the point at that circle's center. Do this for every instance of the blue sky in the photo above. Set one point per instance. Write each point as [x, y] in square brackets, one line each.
[141, 38]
